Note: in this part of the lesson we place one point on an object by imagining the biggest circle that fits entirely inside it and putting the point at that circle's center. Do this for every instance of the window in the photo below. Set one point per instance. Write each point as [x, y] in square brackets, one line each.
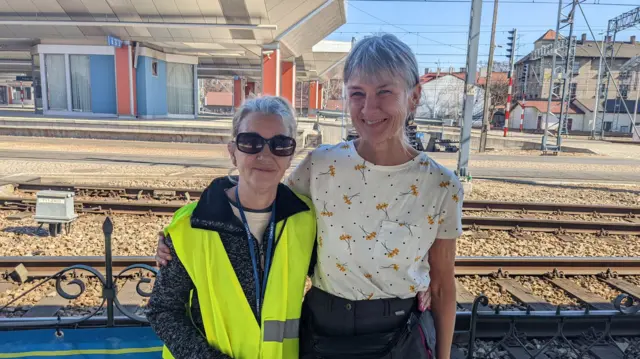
[80, 83]
[624, 91]
[56, 82]
[154, 68]
[27, 93]
[569, 123]
[607, 126]
[180, 89]
[602, 89]
[573, 88]
[576, 67]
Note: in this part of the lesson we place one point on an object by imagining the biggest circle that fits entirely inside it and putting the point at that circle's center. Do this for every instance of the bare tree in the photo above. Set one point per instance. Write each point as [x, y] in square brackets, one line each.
[498, 90]
[498, 66]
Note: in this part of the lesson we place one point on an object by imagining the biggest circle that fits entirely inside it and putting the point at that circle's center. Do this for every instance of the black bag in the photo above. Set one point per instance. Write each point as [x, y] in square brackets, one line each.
[406, 342]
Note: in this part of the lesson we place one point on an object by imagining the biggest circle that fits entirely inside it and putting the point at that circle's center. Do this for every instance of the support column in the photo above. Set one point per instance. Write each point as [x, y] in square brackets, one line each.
[313, 99]
[125, 82]
[320, 97]
[288, 89]
[271, 70]
[249, 88]
[238, 93]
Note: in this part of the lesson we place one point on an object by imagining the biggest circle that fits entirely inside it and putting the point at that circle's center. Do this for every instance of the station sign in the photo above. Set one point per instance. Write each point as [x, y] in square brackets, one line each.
[24, 78]
[114, 41]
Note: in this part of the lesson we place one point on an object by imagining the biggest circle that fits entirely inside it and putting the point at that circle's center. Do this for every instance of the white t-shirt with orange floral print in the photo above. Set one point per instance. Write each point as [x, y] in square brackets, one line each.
[377, 223]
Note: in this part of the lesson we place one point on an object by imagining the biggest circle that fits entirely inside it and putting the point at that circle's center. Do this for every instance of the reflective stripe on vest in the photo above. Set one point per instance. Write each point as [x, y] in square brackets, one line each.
[229, 322]
[278, 331]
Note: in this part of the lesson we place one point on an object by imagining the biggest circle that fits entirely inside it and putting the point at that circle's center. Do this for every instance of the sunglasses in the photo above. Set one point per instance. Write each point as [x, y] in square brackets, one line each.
[252, 143]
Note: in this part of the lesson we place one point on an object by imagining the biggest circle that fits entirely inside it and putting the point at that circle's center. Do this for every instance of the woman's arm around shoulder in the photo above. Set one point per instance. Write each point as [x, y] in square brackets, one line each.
[167, 312]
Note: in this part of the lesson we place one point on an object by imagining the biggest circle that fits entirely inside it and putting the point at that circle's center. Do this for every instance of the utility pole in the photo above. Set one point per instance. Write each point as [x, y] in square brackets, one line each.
[486, 121]
[470, 83]
[567, 76]
[552, 78]
[597, 101]
[513, 35]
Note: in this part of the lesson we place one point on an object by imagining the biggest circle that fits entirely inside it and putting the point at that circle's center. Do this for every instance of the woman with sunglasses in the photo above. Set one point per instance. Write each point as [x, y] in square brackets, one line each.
[241, 254]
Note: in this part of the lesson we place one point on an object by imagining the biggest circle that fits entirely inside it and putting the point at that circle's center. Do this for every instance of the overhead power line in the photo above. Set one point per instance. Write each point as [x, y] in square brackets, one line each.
[388, 23]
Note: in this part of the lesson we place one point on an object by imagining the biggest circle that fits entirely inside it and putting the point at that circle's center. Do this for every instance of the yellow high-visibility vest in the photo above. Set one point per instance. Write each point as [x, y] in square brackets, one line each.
[229, 323]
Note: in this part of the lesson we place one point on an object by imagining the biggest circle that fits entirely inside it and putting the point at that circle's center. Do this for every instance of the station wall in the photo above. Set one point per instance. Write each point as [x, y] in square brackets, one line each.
[151, 88]
[103, 84]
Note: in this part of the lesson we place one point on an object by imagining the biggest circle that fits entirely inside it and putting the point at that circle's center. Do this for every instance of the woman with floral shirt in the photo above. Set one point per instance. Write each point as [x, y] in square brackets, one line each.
[388, 217]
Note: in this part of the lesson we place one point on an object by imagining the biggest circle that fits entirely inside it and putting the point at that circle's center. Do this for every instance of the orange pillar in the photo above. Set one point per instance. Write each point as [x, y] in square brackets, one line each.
[238, 93]
[313, 99]
[289, 80]
[9, 95]
[125, 81]
[271, 70]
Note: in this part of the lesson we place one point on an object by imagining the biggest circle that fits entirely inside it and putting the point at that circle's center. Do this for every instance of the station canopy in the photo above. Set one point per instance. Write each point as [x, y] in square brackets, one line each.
[226, 35]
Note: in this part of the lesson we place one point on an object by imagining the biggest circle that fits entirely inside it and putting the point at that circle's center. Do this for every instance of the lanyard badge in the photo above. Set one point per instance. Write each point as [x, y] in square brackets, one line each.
[260, 288]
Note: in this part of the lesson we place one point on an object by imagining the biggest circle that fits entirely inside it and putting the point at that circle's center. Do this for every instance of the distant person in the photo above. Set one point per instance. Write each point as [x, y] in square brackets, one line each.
[241, 253]
[388, 218]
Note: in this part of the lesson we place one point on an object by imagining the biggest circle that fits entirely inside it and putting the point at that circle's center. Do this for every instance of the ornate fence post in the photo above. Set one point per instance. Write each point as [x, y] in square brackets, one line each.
[109, 291]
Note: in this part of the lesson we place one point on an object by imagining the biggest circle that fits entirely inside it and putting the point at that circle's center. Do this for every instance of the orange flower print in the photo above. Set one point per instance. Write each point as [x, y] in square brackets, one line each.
[345, 146]
[347, 199]
[395, 267]
[383, 207]
[290, 182]
[412, 288]
[417, 259]
[325, 212]
[346, 238]
[342, 267]
[361, 168]
[424, 163]
[331, 172]
[390, 252]
[455, 197]
[365, 295]
[430, 220]
[368, 236]
[320, 242]
[413, 191]
[441, 220]
[445, 184]
[368, 276]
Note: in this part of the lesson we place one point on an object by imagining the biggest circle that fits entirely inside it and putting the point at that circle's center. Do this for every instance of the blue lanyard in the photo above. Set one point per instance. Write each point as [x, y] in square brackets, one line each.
[260, 290]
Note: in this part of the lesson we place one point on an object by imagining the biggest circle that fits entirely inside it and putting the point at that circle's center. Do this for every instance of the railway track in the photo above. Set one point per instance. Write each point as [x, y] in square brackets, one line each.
[47, 266]
[141, 193]
[469, 223]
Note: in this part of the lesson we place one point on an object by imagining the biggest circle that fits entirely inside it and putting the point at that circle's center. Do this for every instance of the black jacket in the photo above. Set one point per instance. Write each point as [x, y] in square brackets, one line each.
[166, 310]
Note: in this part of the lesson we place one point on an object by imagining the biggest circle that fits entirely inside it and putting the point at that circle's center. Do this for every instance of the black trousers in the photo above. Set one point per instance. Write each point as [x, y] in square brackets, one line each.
[337, 328]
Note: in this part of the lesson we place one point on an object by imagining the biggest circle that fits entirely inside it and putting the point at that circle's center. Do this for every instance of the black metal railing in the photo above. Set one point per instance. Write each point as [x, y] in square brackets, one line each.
[78, 274]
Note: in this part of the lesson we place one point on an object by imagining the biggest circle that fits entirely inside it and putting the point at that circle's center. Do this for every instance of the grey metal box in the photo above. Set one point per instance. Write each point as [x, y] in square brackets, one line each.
[55, 207]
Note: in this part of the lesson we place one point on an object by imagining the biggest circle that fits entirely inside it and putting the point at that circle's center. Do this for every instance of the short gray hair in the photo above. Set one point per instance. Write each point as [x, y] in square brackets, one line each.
[382, 55]
[268, 105]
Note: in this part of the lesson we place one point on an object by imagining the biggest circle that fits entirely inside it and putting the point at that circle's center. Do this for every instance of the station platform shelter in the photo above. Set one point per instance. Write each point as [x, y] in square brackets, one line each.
[143, 61]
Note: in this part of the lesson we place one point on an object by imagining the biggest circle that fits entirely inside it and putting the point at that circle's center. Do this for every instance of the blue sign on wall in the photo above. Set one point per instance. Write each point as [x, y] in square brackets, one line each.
[114, 41]
[24, 78]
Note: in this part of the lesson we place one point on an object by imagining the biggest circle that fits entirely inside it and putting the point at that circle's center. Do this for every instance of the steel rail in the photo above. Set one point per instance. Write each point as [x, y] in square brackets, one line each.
[535, 266]
[470, 223]
[469, 205]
